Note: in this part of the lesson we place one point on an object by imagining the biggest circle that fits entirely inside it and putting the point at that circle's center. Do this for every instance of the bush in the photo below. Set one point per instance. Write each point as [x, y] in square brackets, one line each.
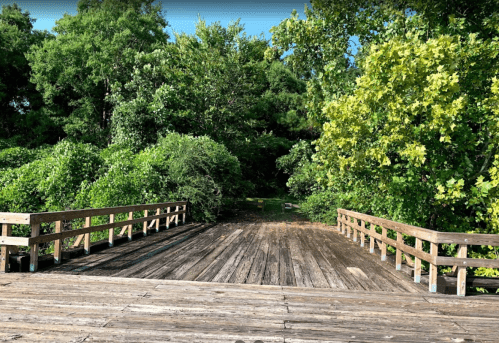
[49, 183]
[321, 207]
[179, 167]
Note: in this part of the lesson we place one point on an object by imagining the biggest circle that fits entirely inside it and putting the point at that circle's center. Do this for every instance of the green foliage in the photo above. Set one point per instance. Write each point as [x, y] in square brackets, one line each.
[93, 50]
[51, 182]
[215, 83]
[22, 117]
[320, 207]
[410, 131]
[303, 173]
[178, 167]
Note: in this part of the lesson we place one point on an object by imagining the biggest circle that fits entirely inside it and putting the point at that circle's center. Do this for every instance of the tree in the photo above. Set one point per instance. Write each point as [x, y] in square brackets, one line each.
[93, 50]
[22, 117]
[215, 83]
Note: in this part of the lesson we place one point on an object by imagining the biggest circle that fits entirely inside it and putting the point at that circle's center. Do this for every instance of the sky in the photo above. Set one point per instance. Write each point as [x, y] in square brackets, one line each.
[257, 16]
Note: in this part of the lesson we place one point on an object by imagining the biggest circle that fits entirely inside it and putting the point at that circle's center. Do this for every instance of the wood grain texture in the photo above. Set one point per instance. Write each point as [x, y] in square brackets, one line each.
[246, 253]
[76, 308]
[5, 250]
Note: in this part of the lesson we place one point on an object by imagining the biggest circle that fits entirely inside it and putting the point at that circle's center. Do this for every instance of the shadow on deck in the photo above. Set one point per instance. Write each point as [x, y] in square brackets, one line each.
[302, 255]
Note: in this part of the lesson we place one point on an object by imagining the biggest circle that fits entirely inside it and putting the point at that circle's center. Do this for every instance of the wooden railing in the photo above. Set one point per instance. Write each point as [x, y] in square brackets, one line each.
[348, 220]
[10, 243]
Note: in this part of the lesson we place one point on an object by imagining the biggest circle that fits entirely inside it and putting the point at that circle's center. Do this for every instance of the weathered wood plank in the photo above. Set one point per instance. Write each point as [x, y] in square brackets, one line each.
[242, 271]
[58, 244]
[15, 218]
[271, 274]
[22, 241]
[228, 269]
[301, 273]
[286, 272]
[48, 217]
[66, 234]
[221, 260]
[33, 254]
[198, 268]
[5, 250]
[86, 248]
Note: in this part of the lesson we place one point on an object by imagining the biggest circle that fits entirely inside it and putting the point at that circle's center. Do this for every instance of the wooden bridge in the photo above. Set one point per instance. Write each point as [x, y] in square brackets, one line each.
[235, 282]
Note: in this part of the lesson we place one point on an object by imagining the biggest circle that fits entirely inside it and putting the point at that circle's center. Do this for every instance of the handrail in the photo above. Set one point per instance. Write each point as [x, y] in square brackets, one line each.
[347, 220]
[35, 219]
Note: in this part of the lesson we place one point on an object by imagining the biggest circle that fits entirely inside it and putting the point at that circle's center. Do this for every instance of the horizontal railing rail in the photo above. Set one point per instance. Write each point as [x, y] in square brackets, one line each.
[348, 220]
[10, 243]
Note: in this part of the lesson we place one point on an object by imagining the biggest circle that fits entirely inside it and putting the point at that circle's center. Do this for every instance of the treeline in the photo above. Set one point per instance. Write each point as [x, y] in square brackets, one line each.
[410, 122]
[110, 110]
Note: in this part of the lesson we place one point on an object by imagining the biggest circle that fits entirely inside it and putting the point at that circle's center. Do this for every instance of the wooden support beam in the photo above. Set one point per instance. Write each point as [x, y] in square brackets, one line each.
[349, 223]
[408, 260]
[86, 245]
[176, 217]
[362, 235]
[58, 243]
[33, 259]
[355, 235]
[461, 271]
[158, 212]
[417, 261]
[433, 268]
[168, 220]
[338, 219]
[398, 257]
[4, 256]
[123, 230]
[111, 231]
[185, 212]
[144, 227]
[371, 242]
[151, 224]
[130, 227]
[78, 241]
[383, 244]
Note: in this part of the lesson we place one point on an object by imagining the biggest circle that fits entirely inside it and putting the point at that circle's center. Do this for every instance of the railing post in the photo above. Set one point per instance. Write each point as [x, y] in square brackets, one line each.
[86, 244]
[183, 216]
[33, 257]
[433, 268]
[383, 244]
[4, 257]
[355, 229]
[371, 240]
[58, 243]
[461, 271]
[176, 217]
[398, 258]
[362, 234]
[111, 231]
[168, 219]
[417, 261]
[158, 212]
[130, 217]
[347, 226]
[144, 228]
[339, 221]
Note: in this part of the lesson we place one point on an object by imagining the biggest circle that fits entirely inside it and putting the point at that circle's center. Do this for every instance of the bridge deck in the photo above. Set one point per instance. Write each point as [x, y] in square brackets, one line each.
[256, 253]
[71, 308]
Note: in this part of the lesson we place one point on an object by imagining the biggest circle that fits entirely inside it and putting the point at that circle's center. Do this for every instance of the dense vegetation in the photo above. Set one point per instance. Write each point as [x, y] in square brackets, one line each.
[409, 124]
[111, 110]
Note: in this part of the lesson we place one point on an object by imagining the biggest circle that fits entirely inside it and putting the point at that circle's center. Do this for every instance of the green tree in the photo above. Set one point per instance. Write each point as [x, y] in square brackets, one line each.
[215, 83]
[22, 116]
[93, 50]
